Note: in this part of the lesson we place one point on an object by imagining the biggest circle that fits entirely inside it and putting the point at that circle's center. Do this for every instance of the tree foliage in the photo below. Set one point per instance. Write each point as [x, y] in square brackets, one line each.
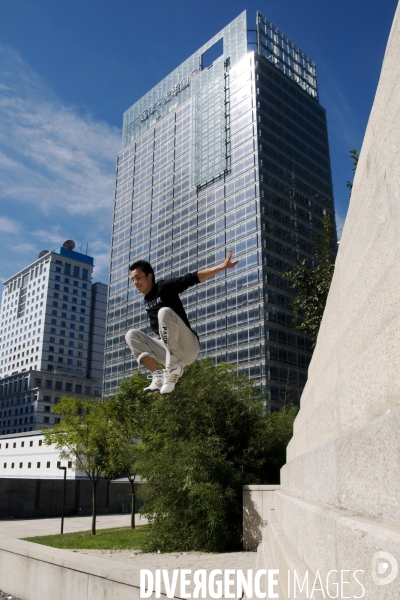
[312, 283]
[195, 448]
[99, 441]
[82, 437]
[123, 450]
[354, 157]
[278, 433]
[199, 446]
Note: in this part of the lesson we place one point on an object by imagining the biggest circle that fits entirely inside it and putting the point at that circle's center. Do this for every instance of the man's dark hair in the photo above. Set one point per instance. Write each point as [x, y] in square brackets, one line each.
[144, 266]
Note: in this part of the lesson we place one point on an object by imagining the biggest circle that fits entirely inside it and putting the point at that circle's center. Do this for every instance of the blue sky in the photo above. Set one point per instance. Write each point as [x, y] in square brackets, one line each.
[70, 68]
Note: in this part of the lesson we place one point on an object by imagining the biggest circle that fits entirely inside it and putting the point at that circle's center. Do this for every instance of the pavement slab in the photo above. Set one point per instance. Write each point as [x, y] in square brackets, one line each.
[22, 528]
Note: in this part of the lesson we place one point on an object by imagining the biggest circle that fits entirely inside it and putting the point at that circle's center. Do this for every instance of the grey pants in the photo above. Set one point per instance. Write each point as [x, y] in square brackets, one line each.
[178, 344]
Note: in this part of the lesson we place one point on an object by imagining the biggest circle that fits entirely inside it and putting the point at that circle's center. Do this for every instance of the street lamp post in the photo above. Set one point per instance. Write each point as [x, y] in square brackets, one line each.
[63, 502]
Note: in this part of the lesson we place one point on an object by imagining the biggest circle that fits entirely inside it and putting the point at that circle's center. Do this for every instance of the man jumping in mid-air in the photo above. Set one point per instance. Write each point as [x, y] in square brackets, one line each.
[178, 345]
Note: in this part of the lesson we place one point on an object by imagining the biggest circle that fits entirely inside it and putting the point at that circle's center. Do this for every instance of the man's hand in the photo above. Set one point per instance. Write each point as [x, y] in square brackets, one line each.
[227, 264]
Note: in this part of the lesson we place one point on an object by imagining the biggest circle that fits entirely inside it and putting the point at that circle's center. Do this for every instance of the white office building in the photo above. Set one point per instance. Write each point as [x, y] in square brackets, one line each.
[52, 329]
[26, 456]
[32, 486]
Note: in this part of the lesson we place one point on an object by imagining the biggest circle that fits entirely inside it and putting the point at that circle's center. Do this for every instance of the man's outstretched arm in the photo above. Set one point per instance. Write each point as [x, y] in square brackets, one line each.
[227, 264]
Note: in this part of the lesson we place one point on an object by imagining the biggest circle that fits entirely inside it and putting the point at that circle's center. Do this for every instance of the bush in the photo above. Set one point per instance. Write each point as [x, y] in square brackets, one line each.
[199, 446]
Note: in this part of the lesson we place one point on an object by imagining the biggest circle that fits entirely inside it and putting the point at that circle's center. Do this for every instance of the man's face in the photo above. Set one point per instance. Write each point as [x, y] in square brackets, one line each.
[142, 282]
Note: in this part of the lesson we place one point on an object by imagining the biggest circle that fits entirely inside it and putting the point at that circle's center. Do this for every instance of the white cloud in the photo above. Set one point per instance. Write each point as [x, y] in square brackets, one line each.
[7, 163]
[57, 169]
[51, 235]
[24, 248]
[101, 251]
[101, 265]
[8, 225]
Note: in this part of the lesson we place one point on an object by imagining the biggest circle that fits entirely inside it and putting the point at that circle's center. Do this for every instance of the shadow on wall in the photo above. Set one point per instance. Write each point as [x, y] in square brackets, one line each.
[252, 525]
[258, 506]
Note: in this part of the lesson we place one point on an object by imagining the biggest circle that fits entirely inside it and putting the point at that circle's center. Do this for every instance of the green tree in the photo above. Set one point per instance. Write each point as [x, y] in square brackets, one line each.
[354, 157]
[82, 437]
[123, 450]
[199, 446]
[312, 283]
[277, 434]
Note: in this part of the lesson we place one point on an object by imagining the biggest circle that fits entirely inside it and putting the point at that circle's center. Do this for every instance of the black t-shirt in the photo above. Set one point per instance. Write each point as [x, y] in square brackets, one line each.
[165, 294]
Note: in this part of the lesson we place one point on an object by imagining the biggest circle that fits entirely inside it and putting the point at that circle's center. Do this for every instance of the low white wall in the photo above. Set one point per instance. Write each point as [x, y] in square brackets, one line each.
[34, 572]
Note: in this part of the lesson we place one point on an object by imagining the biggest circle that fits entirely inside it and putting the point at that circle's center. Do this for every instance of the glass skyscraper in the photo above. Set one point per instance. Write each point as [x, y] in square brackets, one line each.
[229, 151]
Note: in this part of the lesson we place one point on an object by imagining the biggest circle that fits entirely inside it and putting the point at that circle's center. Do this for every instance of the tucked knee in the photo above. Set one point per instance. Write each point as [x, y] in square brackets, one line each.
[165, 312]
[131, 335]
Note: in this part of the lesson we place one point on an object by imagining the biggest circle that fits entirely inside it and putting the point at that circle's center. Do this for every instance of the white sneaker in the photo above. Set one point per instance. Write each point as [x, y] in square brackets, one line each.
[170, 379]
[156, 383]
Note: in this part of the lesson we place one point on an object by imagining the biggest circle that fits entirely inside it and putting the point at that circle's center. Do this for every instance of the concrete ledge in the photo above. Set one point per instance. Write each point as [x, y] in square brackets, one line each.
[33, 572]
[357, 470]
[306, 535]
[277, 547]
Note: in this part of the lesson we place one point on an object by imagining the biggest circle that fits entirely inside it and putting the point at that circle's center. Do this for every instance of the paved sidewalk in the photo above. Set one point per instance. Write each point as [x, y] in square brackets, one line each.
[21, 528]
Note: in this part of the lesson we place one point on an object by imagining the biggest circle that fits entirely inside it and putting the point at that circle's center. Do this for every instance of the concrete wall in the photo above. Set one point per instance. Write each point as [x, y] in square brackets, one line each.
[52, 574]
[34, 498]
[339, 501]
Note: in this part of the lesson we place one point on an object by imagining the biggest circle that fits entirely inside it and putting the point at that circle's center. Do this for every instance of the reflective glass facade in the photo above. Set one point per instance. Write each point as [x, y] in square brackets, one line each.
[228, 155]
